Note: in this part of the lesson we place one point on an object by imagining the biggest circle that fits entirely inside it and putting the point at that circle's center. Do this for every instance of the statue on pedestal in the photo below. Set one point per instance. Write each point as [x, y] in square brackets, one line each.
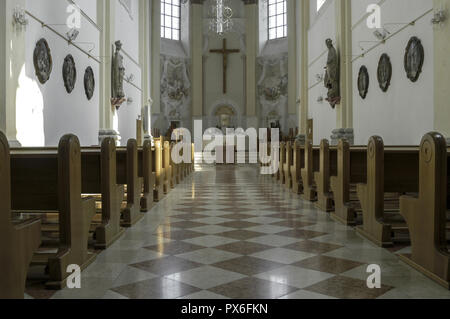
[332, 75]
[117, 77]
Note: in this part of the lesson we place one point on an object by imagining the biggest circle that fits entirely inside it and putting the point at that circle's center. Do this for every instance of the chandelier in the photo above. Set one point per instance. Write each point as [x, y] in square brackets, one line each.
[221, 17]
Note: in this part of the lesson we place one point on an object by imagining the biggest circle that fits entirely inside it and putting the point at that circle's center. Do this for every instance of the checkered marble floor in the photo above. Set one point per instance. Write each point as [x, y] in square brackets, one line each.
[227, 232]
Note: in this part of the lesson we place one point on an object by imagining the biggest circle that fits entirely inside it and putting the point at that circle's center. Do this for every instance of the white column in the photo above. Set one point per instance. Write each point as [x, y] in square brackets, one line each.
[344, 47]
[144, 62]
[155, 57]
[292, 57]
[442, 73]
[106, 12]
[252, 34]
[12, 64]
[197, 67]
[303, 58]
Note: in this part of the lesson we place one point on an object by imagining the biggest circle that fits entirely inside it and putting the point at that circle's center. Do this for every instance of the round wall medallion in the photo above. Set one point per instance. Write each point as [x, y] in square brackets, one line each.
[384, 72]
[43, 62]
[89, 83]
[363, 82]
[69, 73]
[414, 58]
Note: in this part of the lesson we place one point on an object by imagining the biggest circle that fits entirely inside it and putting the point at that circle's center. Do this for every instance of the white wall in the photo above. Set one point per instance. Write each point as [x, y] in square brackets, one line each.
[404, 113]
[46, 112]
[323, 26]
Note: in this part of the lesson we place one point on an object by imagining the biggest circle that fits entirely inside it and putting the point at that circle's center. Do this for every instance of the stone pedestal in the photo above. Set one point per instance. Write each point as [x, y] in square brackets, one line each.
[301, 139]
[342, 133]
[102, 134]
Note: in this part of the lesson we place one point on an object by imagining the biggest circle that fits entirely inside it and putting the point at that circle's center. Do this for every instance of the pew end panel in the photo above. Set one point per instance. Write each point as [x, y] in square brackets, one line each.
[50, 181]
[128, 169]
[426, 215]
[322, 179]
[18, 242]
[146, 160]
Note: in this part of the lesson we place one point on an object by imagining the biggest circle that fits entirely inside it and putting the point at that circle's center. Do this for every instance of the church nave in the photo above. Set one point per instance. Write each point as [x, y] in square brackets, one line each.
[226, 232]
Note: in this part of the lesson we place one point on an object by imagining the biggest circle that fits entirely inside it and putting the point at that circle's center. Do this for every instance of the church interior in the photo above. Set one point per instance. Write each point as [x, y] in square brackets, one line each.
[129, 168]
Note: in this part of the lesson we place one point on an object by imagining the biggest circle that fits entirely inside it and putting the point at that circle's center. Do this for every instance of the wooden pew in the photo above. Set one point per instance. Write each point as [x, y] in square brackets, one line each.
[276, 175]
[288, 165]
[351, 169]
[298, 162]
[282, 178]
[167, 167]
[99, 179]
[159, 170]
[128, 174]
[45, 182]
[312, 157]
[18, 240]
[390, 172]
[176, 169]
[146, 171]
[327, 167]
[426, 215]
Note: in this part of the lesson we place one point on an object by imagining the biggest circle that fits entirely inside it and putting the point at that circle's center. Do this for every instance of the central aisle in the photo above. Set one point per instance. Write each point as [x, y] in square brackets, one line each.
[227, 232]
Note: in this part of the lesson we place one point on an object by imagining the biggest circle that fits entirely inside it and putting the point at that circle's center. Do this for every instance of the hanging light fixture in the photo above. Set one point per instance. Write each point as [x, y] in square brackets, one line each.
[221, 17]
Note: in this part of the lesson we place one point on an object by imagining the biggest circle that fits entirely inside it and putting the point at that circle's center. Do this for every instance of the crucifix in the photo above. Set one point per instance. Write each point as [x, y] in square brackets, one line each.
[225, 52]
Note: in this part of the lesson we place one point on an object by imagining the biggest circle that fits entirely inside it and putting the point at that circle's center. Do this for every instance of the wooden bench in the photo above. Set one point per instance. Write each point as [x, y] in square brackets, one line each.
[288, 165]
[327, 167]
[167, 167]
[128, 174]
[390, 172]
[99, 180]
[282, 177]
[298, 162]
[427, 214]
[47, 181]
[277, 174]
[147, 172]
[159, 170]
[351, 169]
[312, 157]
[18, 240]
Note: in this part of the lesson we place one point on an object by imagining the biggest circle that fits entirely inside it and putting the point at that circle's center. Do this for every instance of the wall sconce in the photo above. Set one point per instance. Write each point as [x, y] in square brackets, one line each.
[130, 78]
[72, 34]
[381, 34]
[320, 99]
[319, 77]
[19, 18]
[130, 100]
[439, 17]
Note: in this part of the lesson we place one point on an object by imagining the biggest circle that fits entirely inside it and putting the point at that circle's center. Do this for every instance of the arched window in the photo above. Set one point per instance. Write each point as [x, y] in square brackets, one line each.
[170, 19]
[277, 19]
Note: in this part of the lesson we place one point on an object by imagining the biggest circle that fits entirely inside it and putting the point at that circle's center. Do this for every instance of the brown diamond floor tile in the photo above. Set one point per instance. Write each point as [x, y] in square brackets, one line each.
[244, 248]
[174, 248]
[330, 265]
[190, 216]
[283, 215]
[248, 265]
[181, 234]
[301, 233]
[191, 210]
[347, 288]
[253, 288]
[237, 216]
[157, 288]
[241, 234]
[240, 224]
[313, 247]
[292, 223]
[236, 209]
[186, 224]
[166, 266]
